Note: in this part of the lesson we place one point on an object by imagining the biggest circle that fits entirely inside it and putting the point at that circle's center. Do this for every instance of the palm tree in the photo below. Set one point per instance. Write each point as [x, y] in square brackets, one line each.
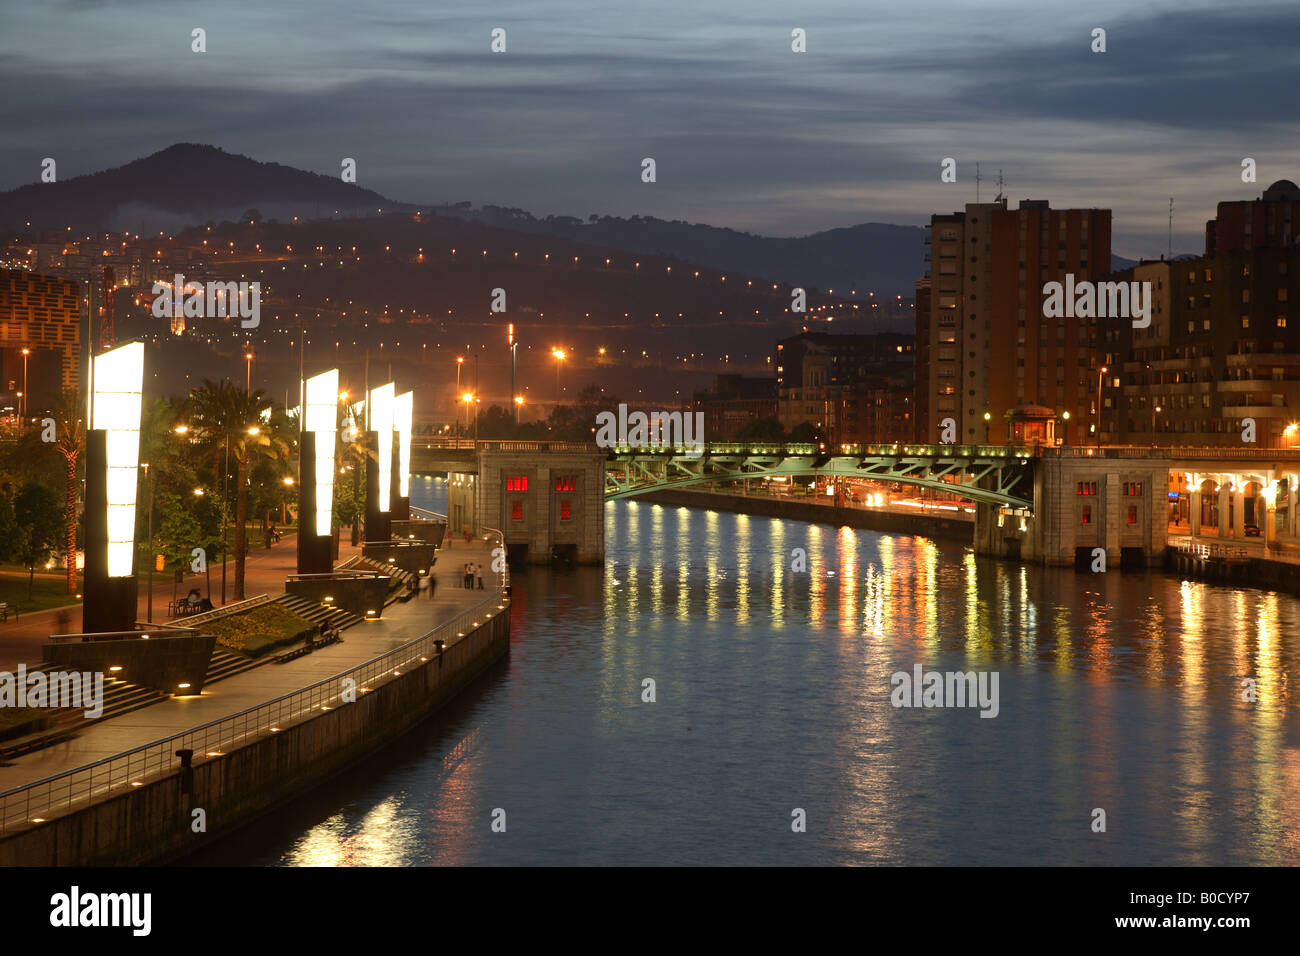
[70, 442]
[233, 419]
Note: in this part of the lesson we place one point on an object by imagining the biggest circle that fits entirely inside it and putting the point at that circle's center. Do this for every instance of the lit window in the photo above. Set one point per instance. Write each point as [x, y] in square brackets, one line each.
[565, 511]
[517, 483]
[516, 511]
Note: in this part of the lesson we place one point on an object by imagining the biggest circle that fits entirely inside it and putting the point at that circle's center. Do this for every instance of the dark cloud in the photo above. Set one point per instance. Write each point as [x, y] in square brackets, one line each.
[744, 132]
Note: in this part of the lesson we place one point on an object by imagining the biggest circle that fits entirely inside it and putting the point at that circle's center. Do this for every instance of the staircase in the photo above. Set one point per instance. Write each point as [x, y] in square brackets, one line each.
[317, 613]
[119, 698]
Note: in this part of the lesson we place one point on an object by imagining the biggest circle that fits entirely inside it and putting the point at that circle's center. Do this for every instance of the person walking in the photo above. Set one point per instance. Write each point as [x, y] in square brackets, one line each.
[479, 569]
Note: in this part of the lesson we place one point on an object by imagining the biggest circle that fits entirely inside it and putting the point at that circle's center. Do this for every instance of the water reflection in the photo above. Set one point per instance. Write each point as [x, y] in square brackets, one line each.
[1118, 691]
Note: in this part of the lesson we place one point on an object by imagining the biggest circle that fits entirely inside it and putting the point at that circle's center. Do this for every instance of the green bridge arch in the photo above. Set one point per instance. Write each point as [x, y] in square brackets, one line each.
[980, 473]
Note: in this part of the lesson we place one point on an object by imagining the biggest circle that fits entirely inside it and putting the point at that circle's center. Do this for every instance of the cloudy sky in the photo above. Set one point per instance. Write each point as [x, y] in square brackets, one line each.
[745, 133]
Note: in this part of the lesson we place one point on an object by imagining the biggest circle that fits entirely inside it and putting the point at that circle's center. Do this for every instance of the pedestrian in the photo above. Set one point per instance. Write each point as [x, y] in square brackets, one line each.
[469, 575]
[479, 569]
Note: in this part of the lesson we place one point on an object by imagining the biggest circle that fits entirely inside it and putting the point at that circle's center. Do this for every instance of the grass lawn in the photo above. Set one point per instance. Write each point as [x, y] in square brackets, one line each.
[255, 632]
[48, 590]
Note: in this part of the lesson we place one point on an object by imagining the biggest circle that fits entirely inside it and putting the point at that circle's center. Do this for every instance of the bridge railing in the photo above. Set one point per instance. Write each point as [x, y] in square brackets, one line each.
[483, 444]
[1176, 451]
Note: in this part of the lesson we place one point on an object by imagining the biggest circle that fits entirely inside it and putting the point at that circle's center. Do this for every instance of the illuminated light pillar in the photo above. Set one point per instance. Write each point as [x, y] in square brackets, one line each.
[316, 468]
[379, 463]
[112, 480]
[403, 423]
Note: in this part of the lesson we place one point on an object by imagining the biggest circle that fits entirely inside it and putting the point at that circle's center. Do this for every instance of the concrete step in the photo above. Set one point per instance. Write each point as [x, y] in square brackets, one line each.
[227, 664]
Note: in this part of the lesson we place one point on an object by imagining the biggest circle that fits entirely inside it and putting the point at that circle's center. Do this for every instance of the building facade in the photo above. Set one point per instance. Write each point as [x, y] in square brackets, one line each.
[42, 314]
[990, 347]
[1220, 362]
[851, 388]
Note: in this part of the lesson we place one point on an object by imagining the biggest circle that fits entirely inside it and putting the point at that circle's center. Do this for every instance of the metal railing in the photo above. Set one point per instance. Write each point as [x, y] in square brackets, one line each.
[35, 802]
[338, 574]
[1211, 551]
[235, 608]
[154, 630]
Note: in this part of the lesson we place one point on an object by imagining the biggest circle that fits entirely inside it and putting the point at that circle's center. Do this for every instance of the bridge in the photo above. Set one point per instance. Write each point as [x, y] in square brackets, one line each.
[993, 474]
[1050, 505]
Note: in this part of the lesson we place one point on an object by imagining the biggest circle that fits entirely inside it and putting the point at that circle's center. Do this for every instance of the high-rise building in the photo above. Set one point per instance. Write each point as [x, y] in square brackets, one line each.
[990, 347]
[1271, 221]
[1220, 360]
[42, 314]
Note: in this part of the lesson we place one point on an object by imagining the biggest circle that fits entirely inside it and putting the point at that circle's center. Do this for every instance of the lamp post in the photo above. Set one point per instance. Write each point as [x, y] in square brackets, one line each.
[1096, 418]
[23, 403]
[559, 355]
[149, 539]
[1155, 409]
[225, 493]
[987, 420]
[1066, 416]
[248, 371]
[459, 362]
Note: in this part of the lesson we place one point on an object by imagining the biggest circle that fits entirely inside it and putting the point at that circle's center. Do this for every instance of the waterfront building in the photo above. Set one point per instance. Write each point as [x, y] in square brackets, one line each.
[988, 346]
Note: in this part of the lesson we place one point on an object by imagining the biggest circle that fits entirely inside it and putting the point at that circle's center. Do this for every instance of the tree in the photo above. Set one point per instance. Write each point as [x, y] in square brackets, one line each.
[762, 430]
[70, 442]
[39, 524]
[805, 433]
[231, 421]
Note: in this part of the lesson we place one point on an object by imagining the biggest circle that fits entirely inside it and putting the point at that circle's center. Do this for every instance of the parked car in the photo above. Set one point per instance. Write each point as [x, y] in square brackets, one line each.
[1252, 530]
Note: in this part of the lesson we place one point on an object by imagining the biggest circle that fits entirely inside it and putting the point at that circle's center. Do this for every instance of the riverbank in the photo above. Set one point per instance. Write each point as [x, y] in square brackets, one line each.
[292, 727]
[927, 525]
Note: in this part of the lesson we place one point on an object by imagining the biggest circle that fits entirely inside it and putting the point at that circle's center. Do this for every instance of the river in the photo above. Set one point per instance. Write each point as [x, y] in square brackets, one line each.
[1120, 692]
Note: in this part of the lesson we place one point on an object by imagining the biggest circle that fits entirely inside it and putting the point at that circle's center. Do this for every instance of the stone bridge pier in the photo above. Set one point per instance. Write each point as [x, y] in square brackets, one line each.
[1084, 502]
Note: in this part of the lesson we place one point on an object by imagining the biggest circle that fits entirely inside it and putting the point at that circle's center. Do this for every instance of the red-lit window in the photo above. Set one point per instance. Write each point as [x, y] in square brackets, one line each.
[1133, 489]
[516, 511]
[565, 511]
[516, 483]
[1087, 514]
[566, 483]
[1132, 514]
[1086, 488]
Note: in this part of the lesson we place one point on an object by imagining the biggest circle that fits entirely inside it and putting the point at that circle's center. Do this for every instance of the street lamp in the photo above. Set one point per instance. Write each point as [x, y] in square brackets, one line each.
[1155, 410]
[23, 394]
[248, 377]
[1066, 416]
[460, 361]
[987, 419]
[560, 356]
[1096, 418]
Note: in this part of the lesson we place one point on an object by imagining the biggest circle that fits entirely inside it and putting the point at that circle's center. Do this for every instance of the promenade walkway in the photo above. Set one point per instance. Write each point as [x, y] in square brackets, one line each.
[400, 623]
[21, 638]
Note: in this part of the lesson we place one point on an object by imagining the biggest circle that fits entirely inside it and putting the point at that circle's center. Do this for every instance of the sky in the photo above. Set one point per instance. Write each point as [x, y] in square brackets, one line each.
[745, 133]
